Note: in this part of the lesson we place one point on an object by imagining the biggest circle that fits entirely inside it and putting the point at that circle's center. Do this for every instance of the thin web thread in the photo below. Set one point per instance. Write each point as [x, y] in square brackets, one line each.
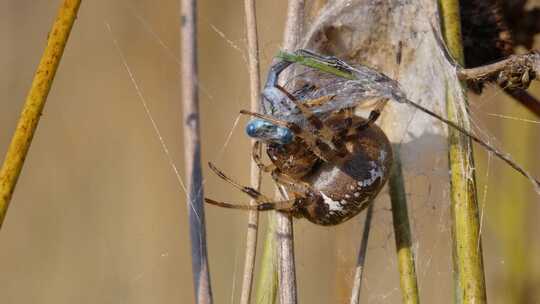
[149, 114]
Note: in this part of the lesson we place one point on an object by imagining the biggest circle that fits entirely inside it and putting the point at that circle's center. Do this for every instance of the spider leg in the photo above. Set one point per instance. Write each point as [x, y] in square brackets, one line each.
[374, 114]
[254, 194]
[256, 156]
[319, 101]
[322, 130]
[291, 184]
[346, 116]
[263, 203]
[319, 148]
[286, 206]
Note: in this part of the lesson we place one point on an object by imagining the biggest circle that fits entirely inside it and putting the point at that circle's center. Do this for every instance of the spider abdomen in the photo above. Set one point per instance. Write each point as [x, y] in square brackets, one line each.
[342, 190]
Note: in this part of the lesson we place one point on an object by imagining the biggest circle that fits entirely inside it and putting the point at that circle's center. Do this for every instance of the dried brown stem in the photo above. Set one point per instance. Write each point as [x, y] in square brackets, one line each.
[284, 238]
[359, 273]
[513, 75]
[253, 216]
[192, 157]
[529, 63]
[284, 228]
[515, 72]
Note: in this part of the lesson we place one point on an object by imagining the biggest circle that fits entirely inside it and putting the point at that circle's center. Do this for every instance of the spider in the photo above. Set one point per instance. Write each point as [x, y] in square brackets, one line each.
[334, 165]
[333, 162]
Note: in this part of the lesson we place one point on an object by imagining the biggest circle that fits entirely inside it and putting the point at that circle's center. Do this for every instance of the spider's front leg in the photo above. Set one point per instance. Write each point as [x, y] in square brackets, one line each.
[263, 203]
[256, 156]
[318, 147]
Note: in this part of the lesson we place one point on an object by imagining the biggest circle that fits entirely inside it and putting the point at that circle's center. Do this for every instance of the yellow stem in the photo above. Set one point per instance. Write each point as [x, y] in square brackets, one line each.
[35, 101]
[402, 233]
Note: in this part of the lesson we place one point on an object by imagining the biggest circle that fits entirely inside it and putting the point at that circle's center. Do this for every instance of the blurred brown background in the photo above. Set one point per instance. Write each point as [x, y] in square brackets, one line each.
[98, 215]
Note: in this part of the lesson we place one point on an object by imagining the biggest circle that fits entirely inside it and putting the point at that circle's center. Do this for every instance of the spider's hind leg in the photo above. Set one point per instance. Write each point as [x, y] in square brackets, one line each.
[284, 206]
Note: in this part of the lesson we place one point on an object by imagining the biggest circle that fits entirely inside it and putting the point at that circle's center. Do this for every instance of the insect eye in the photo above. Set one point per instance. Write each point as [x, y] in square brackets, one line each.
[266, 131]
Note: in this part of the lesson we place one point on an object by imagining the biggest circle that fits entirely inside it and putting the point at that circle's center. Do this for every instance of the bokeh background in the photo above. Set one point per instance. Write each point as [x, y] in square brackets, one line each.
[99, 216]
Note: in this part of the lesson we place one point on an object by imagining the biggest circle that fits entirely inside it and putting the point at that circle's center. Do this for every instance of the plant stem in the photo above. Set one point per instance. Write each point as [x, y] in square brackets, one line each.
[255, 172]
[402, 233]
[192, 157]
[284, 226]
[268, 276]
[359, 273]
[35, 101]
[468, 263]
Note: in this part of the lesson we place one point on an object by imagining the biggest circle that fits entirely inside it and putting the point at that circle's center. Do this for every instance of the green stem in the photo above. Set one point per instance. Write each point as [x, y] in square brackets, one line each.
[402, 233]
[267, 283]
[467, 248]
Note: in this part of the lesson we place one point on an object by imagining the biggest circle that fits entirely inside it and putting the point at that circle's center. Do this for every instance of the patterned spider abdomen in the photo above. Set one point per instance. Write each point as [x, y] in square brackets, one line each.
[343, 189]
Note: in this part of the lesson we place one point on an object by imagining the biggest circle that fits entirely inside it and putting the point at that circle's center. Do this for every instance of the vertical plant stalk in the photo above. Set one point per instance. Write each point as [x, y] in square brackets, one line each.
[359, 273]
[192, 157]
[35, 101]
[284, 226]
[284, 237]
[267, 284]
[255, 172]
[402, 233]
[468, 264]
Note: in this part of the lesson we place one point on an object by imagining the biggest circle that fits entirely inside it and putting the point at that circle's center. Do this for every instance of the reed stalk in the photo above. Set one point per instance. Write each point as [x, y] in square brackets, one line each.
[360, 262]
[402, 233]
[469, 278]
[284, 226]
[35, 102]
[255, 172]
[267, 284]
[192, 156]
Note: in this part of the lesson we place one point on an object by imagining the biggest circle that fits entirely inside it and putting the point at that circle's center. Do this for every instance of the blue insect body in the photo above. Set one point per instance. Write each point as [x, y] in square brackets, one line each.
[268, 132]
